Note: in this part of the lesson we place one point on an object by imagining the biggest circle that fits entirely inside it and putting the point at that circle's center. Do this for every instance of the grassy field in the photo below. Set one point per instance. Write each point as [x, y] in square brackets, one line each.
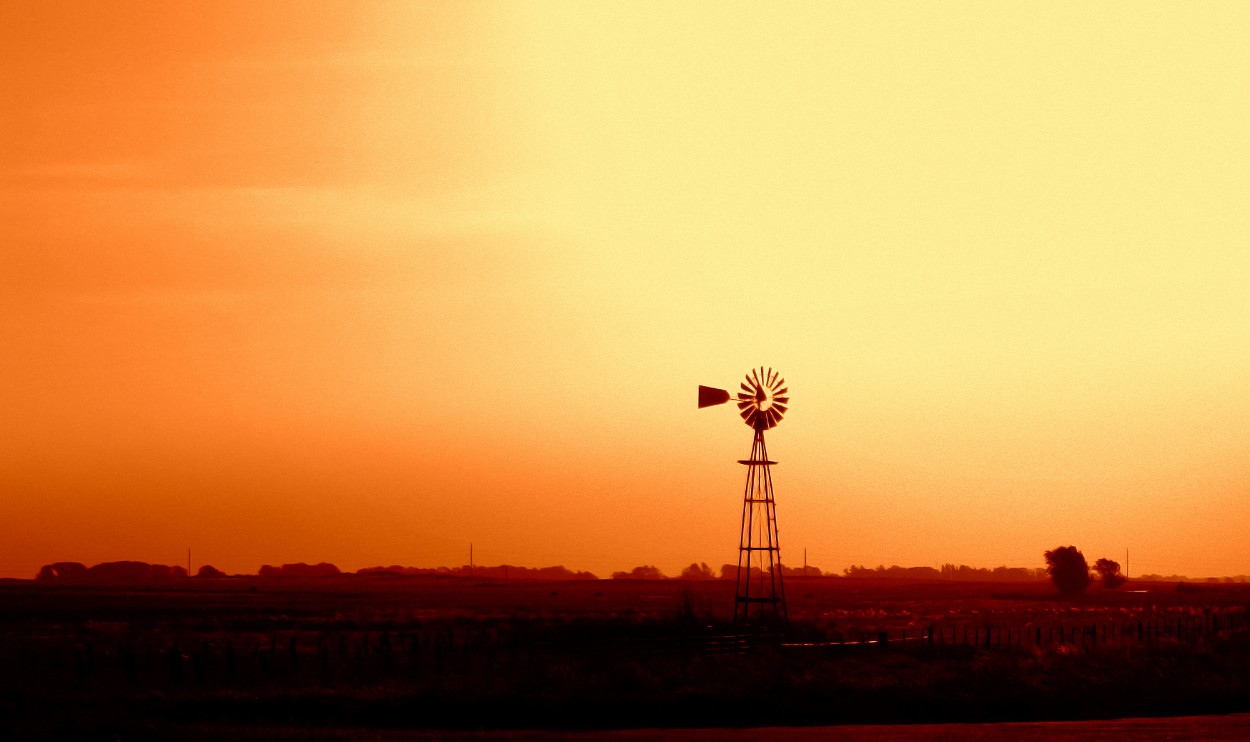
[424, 653]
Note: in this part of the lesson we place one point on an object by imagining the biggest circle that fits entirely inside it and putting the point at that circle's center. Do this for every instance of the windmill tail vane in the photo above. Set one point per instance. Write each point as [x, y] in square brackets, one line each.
[709, 396]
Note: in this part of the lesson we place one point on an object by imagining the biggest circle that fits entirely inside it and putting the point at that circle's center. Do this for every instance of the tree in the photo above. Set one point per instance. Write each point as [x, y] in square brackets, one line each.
[1068, 569]
[698, 571]
[1109, 571]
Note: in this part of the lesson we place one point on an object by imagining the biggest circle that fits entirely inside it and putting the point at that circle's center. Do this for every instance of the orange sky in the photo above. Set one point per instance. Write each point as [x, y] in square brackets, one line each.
[365, 283]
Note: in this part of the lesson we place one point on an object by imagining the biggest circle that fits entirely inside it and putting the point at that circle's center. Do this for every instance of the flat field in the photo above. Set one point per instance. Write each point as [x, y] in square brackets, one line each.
[409, 655]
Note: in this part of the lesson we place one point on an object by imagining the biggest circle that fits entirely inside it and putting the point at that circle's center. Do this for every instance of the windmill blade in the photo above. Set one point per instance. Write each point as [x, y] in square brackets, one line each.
[762, 397]
[709, 396]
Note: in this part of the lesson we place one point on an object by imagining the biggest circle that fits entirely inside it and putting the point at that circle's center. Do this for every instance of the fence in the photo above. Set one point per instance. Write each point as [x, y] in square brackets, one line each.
[352, 657]
[1190, 627]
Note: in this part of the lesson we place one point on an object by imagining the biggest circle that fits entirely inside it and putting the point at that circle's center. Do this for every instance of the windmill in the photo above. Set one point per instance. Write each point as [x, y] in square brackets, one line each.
[760, 596]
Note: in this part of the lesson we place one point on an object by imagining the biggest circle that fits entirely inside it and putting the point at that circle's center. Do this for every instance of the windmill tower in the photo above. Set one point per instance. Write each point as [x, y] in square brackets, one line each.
[761, 595]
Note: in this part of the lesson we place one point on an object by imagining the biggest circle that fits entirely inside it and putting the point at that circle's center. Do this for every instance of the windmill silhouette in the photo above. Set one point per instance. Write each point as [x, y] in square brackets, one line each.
[760, 596]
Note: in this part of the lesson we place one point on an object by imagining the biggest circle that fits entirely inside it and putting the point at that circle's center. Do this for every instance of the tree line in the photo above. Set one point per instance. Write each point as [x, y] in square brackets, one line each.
[701, 571]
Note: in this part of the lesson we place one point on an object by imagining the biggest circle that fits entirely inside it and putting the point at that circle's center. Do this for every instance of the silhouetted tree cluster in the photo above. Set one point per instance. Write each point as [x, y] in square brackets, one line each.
[893, 571]
[698, 571]
[645, 572]
[1109, 572]
[68, 571]
[1002, 573]
[1152, 577]
[300, 569]
[209, 570]
[947, 572]
[502, 572]
[810, 570]
[511, 572]
[730, 572]
[108, 572]
[1068, 569]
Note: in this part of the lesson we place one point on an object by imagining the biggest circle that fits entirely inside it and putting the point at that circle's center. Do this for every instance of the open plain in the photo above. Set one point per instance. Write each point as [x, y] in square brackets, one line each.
[428, 655]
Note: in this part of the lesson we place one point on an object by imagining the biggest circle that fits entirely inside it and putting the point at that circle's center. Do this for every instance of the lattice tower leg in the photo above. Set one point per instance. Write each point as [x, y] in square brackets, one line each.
[761, 596]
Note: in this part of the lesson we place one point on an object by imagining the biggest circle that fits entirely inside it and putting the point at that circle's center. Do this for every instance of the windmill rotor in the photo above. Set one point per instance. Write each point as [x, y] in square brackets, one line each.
[762, 399]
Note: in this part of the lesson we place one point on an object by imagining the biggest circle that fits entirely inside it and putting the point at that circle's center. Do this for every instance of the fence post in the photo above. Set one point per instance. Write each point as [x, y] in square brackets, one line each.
[323, 657]
[173, 658]
[128, 666]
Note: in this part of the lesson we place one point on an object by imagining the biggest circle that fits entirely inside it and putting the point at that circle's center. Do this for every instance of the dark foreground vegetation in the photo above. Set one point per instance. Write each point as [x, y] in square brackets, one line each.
[196, 658]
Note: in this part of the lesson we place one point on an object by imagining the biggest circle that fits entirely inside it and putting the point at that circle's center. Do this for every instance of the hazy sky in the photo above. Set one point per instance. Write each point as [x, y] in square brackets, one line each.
[365, 283]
